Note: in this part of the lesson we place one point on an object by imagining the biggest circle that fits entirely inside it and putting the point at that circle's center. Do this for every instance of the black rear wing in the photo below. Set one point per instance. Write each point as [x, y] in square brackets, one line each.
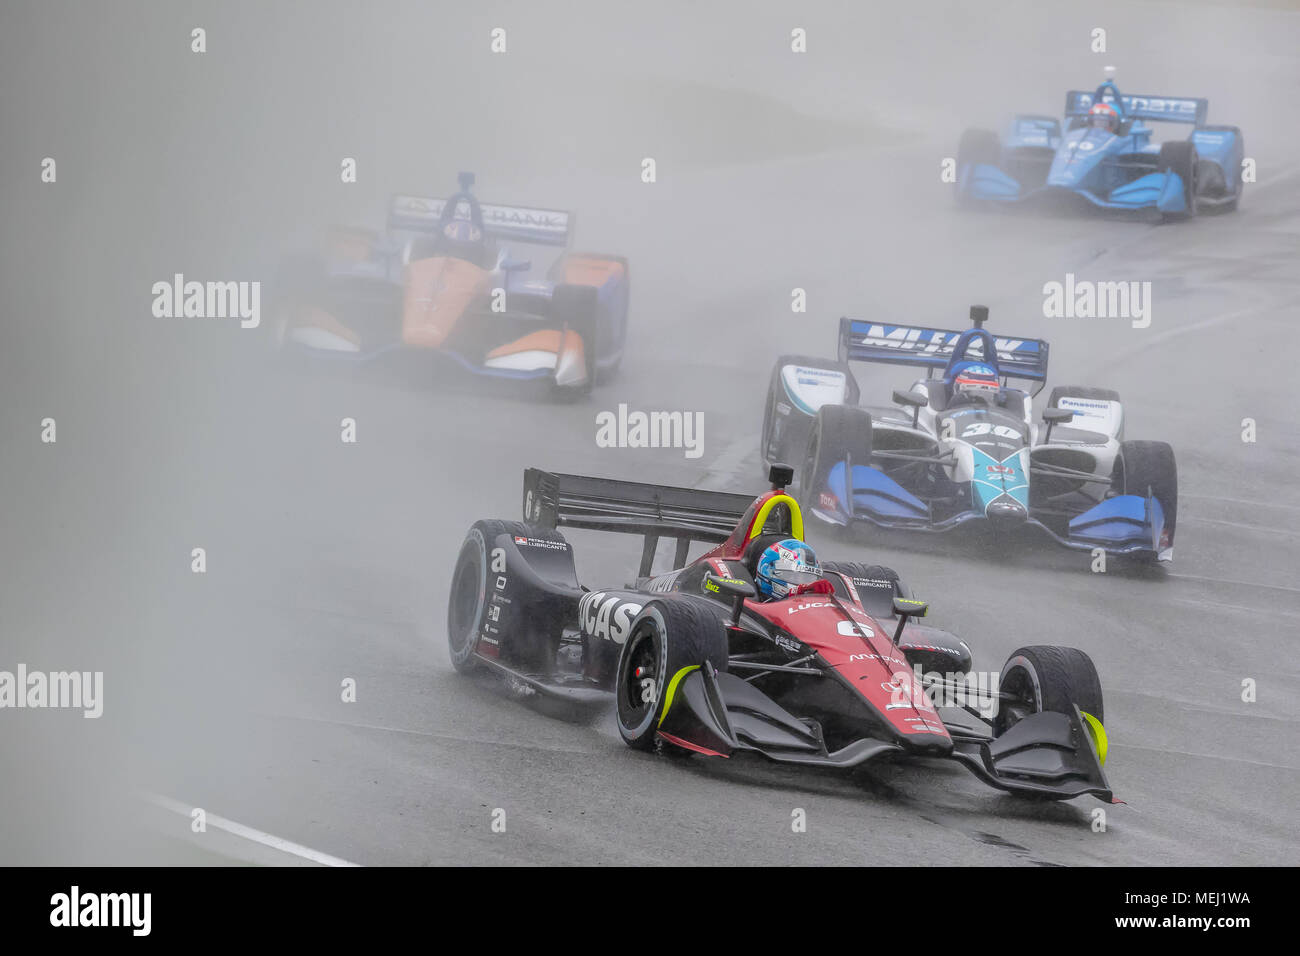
[632, 507]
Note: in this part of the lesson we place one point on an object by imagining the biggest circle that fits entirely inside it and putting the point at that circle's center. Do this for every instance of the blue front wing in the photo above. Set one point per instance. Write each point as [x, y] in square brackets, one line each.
[1162, 190]
[1124, 524]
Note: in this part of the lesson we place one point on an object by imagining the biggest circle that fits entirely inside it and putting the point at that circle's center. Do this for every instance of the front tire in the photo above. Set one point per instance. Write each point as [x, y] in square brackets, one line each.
[577, 306]
[1234, 161]
[839, 431]
[976, 147]
[1180, 158]
[1148, 466]
[1046, 678]
[667, 639]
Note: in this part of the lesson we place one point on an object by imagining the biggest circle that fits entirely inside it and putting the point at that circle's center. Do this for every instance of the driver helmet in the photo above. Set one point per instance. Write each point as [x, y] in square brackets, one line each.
[784, 567]
[1103, 116]
[975, 383]
[461, 230]
[462, 239]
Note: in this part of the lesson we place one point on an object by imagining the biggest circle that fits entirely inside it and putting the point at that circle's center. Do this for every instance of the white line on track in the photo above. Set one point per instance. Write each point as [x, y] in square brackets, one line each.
[1240, 584]
[1222, 606]
[1190, 753]
[1244, 501]
[248, 833]
[1196, 519]
[1160, 338]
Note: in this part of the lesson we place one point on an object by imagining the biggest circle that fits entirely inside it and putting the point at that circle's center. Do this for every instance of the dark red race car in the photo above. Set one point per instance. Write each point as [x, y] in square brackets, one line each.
[836, 673]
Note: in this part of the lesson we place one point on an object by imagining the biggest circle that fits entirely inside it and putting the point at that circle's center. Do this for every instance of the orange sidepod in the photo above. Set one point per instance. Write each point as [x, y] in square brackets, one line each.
[582, 270]
[351, 245]
[438, 291]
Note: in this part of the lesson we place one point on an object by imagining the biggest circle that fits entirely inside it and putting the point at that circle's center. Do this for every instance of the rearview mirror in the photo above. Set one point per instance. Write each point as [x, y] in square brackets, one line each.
[915, 399]
[1055, 416]
[780, 475]
[727, 587]
[906, 608]
[733, 588]
[909, 608]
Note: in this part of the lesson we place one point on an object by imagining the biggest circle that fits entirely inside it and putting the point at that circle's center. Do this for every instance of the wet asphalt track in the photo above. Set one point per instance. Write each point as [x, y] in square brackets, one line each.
[329, 561]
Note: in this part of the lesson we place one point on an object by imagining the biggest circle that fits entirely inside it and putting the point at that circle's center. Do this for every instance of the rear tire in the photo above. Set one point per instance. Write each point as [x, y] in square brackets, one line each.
[1047, 678]
[839, 431]
[1180, 157]
[786, 443]
[877, 604]
[1081, 391]
[1085, 392]
[468, 602]
[1143, 465]
[616, 334]
[667, 636]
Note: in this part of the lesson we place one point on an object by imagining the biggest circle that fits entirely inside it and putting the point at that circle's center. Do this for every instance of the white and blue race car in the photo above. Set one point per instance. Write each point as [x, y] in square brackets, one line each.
[1104, 154]
[936, 459]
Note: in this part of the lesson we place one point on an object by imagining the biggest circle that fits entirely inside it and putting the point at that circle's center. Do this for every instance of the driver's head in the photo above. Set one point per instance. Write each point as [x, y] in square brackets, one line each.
[975, 383]
[785, 566]
[463, 240]
[1103, 116]
[462, 230]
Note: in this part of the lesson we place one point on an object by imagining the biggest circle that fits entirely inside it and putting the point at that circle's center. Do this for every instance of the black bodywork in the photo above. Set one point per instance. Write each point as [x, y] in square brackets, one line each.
[780, 688]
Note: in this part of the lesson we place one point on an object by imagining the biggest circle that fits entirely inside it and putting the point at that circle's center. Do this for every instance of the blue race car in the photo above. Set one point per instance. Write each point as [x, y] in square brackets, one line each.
[1105, 155]
[961, 446]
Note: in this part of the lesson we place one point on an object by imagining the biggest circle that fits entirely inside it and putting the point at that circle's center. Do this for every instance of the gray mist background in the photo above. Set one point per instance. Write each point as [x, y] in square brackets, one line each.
[776, 171]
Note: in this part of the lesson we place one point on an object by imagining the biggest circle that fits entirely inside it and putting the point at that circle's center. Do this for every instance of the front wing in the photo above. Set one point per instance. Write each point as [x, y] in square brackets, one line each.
[548, 351]
[1124, 524]
[1049, 755]
[1156, 190]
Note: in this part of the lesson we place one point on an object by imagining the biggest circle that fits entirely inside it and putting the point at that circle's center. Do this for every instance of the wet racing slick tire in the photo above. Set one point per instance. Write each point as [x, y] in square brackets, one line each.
[839, 431]
[1180, 157]
[468, 603]
[878, 601]
[1044, 678]
[668, 638]
[976, 147]
[785, 436]
[1143, 466]
[577, 306]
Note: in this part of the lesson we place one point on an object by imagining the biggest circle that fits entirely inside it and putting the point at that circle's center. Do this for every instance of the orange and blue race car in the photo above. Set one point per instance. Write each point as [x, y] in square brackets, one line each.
[441, 283]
